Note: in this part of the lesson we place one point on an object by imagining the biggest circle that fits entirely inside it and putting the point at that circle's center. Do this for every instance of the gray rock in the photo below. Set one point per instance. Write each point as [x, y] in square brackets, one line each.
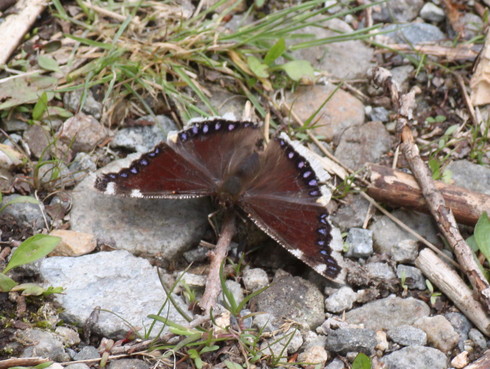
[478, 338]
[397, 10]
[377, 113]
[386, 234]
[440, 333]
[415, 357]
[149, 226]
[292, 298]
[128, 364]
[196, 255]
[26, 215]
[406, 335]
[68, 336]
[264, 322]
[380, 270]
[461, 325]
[471, 176]
[414, 278]
[471, 24]
[225, 101]
[236, 291]
[342, 60]
[41, 343]
[341, 300]
[413, 33]
[38, 139]
[388, 313]
[316, 355]
[255, 279]
[282, 344]
[98, 279]
[401, 75]
[55, 174]
[143, 138]
[336, 364]
[405, 251]
[312, 339]
[72, 101]
[87, 353]
[360, 243]
[81, 165]
[341, 111]
[77, 366]
[344, 340]
[432, 13]
[361, 144]
[351, 213]
[82, 132]
[13, 125]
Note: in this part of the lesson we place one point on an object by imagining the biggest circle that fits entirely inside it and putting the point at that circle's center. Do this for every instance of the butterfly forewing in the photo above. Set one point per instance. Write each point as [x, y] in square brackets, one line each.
[159, 173]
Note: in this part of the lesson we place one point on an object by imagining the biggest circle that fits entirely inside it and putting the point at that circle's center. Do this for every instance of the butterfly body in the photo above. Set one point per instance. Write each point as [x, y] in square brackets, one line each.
[275, 184]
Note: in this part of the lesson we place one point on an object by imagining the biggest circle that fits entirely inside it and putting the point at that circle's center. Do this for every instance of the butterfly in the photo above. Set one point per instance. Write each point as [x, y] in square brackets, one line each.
[273, 183]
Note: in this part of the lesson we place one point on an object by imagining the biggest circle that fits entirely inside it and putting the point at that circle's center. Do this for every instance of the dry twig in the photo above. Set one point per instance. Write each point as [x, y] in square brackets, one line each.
[401, 189]
[16, 25]
[218, 255]
[443, 216]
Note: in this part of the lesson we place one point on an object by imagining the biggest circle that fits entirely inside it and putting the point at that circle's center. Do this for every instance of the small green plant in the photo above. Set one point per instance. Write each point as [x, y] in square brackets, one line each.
[433, 295]
[362, 361]
[32, 249]
[403, 282]
[436, 119]
[438, 173]
[480, 240]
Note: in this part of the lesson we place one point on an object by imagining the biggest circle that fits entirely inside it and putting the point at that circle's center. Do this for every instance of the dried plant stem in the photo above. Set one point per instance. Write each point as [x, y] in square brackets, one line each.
[442, 214]
[218, 255]
[22, 361]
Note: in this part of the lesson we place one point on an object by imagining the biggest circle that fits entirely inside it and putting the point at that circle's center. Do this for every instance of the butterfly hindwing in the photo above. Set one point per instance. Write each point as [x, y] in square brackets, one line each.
[287, 200]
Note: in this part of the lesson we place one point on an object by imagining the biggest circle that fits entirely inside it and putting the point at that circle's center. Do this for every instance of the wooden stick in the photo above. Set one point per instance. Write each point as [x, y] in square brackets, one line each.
[22, 361]
[443, 216]
[213, 285]
[449, 282]
[16, 25]
[401, 189]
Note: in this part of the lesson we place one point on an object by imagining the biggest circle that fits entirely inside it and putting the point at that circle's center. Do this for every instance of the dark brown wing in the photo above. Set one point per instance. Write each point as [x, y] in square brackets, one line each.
[190, 164]
[287, 200]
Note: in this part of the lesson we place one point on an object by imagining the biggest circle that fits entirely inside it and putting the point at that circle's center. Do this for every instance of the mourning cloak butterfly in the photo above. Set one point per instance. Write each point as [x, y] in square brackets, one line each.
[273, 183]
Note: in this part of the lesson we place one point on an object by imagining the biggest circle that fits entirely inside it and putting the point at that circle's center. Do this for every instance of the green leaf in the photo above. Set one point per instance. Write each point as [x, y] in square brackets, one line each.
[257, 67]
[231, 365]
[275, 51]
[32, 249]
[472, 243]
[362, 361]
[298, 69]
[6, 283]
[40, 107]
[29, 289]
[20, 200]
[209, 349]
[447, 176]
[48, 63]
[435, 168]
[25, 90]
[482, 235]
